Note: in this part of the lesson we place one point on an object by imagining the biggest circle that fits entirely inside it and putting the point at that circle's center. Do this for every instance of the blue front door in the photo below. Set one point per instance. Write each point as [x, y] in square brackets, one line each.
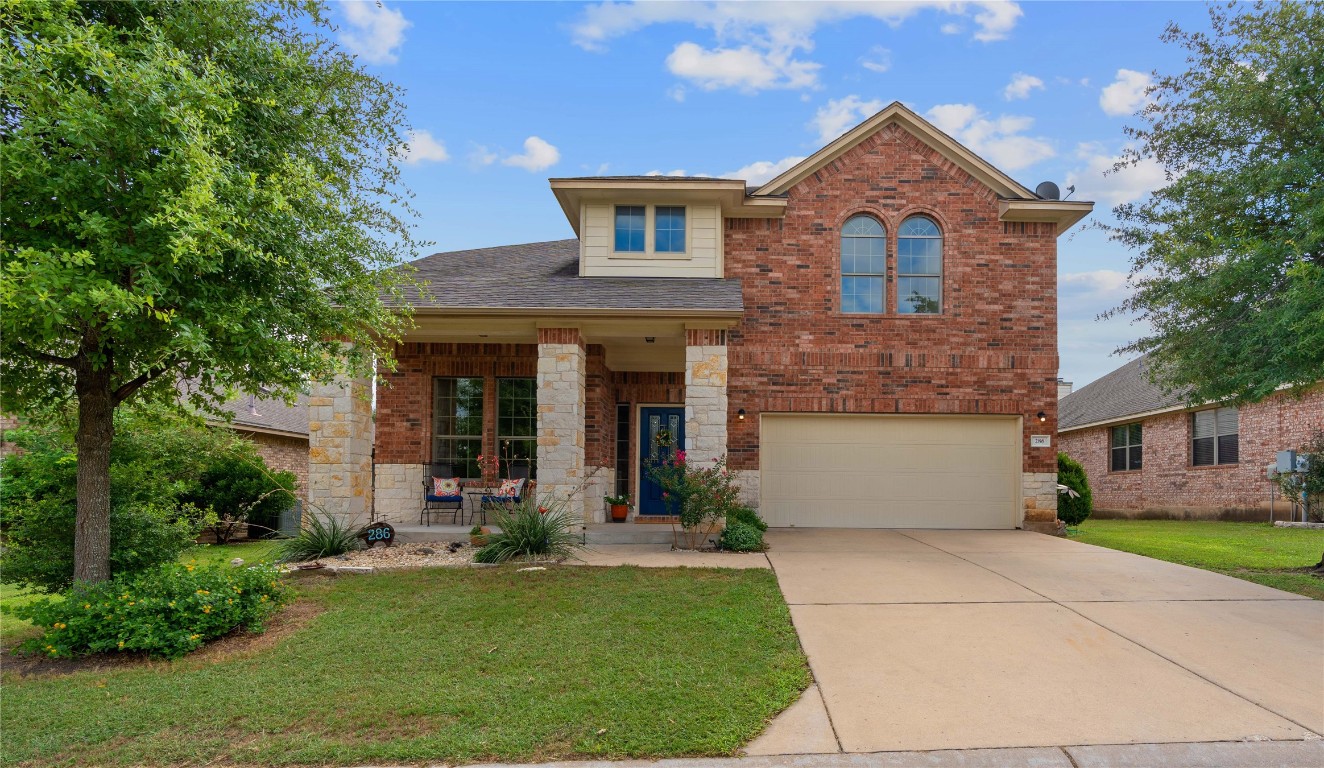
[661, 432]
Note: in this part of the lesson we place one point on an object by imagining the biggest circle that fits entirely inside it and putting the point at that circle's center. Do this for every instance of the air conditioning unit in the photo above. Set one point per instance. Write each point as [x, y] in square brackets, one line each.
[1286, 462]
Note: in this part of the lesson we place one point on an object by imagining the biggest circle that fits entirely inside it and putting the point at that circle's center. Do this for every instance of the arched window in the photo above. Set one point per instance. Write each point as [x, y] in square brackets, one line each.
[863, 265]
[919, 267]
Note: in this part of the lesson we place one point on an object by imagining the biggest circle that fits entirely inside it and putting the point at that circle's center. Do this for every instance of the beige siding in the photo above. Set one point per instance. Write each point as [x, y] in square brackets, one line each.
[703, 257]
[885, 471]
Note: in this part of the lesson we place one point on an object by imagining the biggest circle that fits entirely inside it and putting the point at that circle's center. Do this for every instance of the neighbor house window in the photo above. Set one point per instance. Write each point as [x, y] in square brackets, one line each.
[457, 424]
[863, 265]
[630, 228]
[1126, 447]
[517, 423]
[919, 267]
[1214, 437]
[669, 229]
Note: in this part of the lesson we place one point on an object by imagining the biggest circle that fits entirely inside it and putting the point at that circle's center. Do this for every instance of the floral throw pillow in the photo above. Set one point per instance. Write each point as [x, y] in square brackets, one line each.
[445, 486]
[510, 488]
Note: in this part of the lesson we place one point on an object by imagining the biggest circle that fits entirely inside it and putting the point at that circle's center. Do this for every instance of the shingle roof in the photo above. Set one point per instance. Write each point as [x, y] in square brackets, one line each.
[268, 413]
[546, 276]
[1124, 392]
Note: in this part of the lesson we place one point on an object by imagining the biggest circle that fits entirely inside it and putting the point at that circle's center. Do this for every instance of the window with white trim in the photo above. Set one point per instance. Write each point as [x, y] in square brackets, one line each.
[631, 227]
[863, 266]
[919, 267]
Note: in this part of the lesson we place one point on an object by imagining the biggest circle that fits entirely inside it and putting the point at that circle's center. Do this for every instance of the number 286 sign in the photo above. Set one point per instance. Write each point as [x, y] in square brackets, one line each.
[378, 533]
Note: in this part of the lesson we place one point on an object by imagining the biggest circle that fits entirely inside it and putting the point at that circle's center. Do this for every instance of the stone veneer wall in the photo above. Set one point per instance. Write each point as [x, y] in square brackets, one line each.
[1039, 495]
[561, 411]
[340, 437]
[398, 493]
[705, 395]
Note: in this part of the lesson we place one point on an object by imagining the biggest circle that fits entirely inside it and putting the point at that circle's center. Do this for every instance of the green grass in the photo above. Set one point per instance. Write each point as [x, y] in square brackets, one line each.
[1255, 552]
[447, 665]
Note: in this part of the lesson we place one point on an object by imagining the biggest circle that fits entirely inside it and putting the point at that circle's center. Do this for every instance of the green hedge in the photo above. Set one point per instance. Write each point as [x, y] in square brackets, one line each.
[1072, 510]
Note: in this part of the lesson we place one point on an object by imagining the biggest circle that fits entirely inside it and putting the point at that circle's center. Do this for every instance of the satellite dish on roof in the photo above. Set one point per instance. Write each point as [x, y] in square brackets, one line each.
[1048, 191]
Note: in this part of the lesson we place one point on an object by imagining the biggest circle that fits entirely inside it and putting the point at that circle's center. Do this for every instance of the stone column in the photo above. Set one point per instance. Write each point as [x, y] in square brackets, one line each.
[705, 394]
[561, 412]
[1039, 492]
[340, 439]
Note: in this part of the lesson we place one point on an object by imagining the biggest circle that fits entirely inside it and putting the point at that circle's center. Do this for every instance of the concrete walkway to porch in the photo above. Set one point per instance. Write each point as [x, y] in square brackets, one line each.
[961, 640]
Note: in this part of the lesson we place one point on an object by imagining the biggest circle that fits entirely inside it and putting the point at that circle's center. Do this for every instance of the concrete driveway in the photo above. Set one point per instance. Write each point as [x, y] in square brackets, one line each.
[931, 640]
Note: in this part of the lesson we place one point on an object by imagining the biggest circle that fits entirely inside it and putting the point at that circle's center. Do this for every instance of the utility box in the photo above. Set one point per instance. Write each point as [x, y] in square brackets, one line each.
[1286, 462]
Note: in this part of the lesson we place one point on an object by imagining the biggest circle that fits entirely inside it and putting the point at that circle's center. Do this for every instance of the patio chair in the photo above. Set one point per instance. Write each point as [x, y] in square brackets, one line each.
[442, 491]
[510, 492]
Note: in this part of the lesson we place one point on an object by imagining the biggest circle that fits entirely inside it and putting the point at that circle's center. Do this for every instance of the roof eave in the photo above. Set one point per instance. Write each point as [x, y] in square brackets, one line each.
[579, 312]
[1063, 213]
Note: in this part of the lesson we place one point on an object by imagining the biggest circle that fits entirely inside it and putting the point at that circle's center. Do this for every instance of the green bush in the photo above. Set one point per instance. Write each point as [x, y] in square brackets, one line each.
[241, 489]
[531, 531]
[748, 517]
[321, 536]
[167, 611]
[1070, 473]
[157, 461]
[741, 537]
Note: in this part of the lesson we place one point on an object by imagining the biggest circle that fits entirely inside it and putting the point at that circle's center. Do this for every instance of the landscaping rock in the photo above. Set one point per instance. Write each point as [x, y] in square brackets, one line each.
[238, 561]
[430, 554]
[425, 551]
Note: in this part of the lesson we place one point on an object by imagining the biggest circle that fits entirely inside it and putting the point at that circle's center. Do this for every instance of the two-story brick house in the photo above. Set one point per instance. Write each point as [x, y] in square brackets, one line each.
[870, 338]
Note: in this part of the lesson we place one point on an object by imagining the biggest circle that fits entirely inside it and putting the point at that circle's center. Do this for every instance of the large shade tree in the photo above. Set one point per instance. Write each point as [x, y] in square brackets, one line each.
[201, 190]
[1229, 265]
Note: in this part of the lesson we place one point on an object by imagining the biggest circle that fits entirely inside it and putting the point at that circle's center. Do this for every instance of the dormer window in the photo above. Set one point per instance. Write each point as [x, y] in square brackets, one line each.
[630, 228]
[669, 229]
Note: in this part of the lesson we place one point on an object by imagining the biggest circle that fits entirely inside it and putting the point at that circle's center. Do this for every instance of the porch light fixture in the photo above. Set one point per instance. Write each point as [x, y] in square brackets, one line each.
[740, 414]
[650, 339]
[1042, 417]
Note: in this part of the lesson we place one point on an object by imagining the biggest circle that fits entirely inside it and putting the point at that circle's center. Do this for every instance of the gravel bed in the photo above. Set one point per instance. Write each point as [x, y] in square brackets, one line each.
[428, 554]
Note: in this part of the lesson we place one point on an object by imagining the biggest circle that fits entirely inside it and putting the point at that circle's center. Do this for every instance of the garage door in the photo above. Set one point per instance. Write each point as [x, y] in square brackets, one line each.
[856, 471]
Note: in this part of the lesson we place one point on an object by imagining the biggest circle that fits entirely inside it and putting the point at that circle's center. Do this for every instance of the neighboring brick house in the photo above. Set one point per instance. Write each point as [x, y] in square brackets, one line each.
[1150, 455]
[870, 338]
[279, 431]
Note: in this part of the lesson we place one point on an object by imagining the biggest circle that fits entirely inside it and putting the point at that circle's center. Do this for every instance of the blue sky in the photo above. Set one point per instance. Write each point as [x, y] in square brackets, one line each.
[502, 96]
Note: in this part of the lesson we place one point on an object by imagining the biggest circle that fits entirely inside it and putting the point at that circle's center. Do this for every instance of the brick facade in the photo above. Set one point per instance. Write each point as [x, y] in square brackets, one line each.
[284, 454]
[1168, 486]
[993, 350]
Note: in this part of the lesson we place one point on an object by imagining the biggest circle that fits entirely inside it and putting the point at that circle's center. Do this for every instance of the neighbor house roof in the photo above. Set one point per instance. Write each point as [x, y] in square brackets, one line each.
[1123, 393]
[268, 414]
[545, 276]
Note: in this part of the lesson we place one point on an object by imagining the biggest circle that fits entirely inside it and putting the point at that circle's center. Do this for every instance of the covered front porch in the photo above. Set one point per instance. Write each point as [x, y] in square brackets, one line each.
[579, 403]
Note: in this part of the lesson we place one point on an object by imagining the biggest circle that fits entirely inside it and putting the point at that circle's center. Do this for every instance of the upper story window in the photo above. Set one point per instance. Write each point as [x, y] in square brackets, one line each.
[919, 267]
[863, 265]
[669, 229]
[1126, 448]
[1214, 437]
[630, 228]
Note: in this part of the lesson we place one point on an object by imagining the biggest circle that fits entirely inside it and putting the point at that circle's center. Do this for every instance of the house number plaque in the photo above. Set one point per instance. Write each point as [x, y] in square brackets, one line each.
[1041, 441]
[378, 533]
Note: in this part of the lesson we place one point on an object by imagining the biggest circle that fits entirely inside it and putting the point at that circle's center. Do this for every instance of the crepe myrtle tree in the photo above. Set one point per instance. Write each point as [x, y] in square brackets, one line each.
[200, 190]
[1229, 264]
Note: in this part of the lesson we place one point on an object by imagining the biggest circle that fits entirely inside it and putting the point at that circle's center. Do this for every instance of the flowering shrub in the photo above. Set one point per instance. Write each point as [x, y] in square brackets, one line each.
[167, 611]
[698, 495]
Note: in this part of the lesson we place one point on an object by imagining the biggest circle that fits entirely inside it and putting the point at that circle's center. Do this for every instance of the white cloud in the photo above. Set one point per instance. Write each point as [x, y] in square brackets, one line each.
[374, 32]
[999, 140]
[1106, 284]
[676, 93]
[1020, 86]
[839, 115]
[952, 28]
[744, 68]
[763, 171]
[480, 155]
[677, 172]
[878, 59]
[421, 147]
[758, 44]
[1097, 180]
[1126, 94]
[537, 155]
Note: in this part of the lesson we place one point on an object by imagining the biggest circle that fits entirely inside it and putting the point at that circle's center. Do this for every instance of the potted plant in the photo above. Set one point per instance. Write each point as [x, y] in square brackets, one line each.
[478, 535]
[620, 507]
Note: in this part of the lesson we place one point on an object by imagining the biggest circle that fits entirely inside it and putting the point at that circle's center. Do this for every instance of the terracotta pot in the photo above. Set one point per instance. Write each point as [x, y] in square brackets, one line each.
[619, 512]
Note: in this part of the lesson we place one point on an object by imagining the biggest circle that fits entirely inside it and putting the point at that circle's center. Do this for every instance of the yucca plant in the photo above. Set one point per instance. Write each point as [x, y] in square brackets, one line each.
[322, 536]
[533, 531]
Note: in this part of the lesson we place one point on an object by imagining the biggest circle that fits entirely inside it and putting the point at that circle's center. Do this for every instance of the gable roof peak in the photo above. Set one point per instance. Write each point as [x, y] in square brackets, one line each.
[896, 112]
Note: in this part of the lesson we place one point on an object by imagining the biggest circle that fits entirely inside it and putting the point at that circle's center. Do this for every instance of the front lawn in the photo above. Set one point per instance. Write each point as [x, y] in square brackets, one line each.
[1255, 552]
[446, 665]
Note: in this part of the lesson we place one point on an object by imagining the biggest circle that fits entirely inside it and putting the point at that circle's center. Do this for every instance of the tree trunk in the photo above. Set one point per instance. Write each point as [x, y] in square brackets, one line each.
[96, 428]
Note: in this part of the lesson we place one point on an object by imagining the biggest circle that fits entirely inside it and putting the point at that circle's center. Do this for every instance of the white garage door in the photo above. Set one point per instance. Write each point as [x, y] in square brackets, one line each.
[856, 471]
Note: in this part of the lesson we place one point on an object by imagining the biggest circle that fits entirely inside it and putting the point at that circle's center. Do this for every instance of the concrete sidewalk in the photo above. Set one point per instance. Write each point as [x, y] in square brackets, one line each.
[1265, 754]
[968, 640]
